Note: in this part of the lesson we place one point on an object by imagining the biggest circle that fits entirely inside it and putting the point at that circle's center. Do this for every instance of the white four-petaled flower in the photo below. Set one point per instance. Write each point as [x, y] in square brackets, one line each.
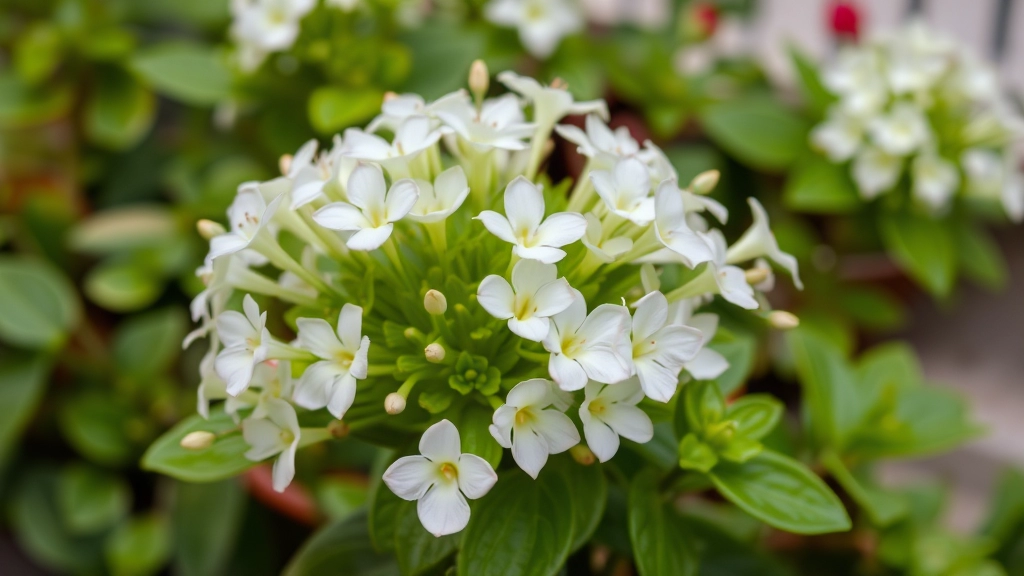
[594, 346]
[524, 226]
[609, 411]
[531, 426]
[331, 381]
[277, 433]
[533, 297]
[626, 190]
[660, 348]
[373, 209]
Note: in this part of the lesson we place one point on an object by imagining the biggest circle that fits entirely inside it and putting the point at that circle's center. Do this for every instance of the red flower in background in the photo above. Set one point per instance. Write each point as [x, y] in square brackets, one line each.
[700, 21]
[844, 18]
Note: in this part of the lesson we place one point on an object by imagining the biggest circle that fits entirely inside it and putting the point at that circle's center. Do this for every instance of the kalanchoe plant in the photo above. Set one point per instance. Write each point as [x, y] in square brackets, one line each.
[437, 286]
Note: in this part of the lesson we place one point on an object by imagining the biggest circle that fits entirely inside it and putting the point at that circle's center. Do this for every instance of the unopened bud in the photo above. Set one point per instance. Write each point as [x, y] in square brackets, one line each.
[705, 182]
[284, 163]
[208, 228]
[755, 276]
[389, 95]
[782, 320]
[198, 440]
[338, 429]
[559, 84]
[434, 353]
[435, 302]
[394, 403]
[479, 79]
[582, 455]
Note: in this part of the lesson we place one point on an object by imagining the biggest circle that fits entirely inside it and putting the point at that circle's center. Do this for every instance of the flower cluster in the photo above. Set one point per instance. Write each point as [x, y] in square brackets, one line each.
[541, 23]
[916, 103]
[263, 27]
[436, 271]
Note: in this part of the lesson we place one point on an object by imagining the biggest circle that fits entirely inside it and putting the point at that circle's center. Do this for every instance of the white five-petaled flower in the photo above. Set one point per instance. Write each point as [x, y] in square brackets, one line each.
[533, 297]
[441, 199]
[935, 180]
[626, 190]
[609, 411]
[273, 378]
[541, 23]
[246, 342]
[441, 479]
[277, 433]
[660, 349]
[373, 210]
[264, 26]
[605, 249]
[531, 426]
[759, 240]
[708, 364]
[600, 143]
[550, 104]
[875, 171]
[903, 130]
[533, 237]
[249, 217]
[671, 228]
[840, 136]
[331, 381]
[497, 123]
[594, 346]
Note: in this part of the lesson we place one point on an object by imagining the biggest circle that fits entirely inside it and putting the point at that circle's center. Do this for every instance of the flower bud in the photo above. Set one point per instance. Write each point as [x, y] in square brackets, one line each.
[284, 163]
[434, 353]
[782, 320]
[435, 302]
[582, 455]
[479, 79]
[705, 182]
[394, 403]
[208, 229]
[559, 84]
[755, 276]
[389, 95]
[198, 440]
[338, 429]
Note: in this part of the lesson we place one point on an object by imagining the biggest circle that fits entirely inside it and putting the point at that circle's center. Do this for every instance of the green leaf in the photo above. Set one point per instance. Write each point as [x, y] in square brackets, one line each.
[661, 543]
[883, 508]
[757, 130]
[192, 73]
[589, 490]
[38, 52]
[417, 550]
[522, 527]
[122, 286]
[23, 379]
[924, 247]
[830, 385]
[91, 500]
[818, 186]
[224, 459]
[739, 349]
[340, 497]
[21, 105]
[696, 455]
[979, 257]
[755, 415]
[332, 109]
[782, 493]
[704, 404]
[147, 344]
[206, 520]
[816, 96]
[39, 307]
[476, 436]
[441, 57]
[124, 228]
[119, 111]
[139, 547]
[892, 363]
[98, 426]
[341, 547]
[872, 307]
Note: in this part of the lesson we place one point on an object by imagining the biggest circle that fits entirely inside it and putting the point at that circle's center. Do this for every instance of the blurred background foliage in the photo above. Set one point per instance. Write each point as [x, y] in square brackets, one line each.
[123, 122]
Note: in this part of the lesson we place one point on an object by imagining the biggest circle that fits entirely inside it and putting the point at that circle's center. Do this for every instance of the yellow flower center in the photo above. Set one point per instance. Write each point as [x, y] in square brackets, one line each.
[524, 415]
[449, 471]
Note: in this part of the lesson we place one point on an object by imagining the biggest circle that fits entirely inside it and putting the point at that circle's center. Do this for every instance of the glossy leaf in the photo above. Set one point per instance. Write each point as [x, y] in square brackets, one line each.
[39, 307]
[924, 247]
[661, 543]
[882, 507]
[224, 459]
[476, 438]
[139, 547]
[738, 349]
[342, 547]
[758, 131]
[589, 490]
[206, 521]
[782, 493]
[99, 427]
[979, 256]
[123, 228]
[417, 550]
[755, 415]
[696, 455]
[816, 96]
[91, 500]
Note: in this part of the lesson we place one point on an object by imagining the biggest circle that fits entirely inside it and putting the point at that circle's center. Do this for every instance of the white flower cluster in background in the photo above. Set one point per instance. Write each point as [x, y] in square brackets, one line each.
[263, 27]
[541, 23]
[917, 104]
[425, 266]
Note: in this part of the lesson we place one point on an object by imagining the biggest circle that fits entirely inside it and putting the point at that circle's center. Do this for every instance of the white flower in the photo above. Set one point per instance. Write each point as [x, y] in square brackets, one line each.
[730, 281]
[840, 136]
[541, 23]
[274, 381]
[310, 174]
[441, 199]
[528, 425]
[657, 162]
[708, 364]
[249, 218]
[594, 346]
[533, 236]
[264, 26]
[856, 77]
[278, 433]
[398, 108]
[875, 172]
[441, 479]
[414, 135]
[671, 228]
[990, 175]
[759, 240]
[498, 123]
[534, 296]
[373, 210]
[600, 143]
[903, 130]
[610, 411]
[935, 180]
[331, 382]
[246, 341]
[626, 190]
[550, 104]
[605, 249]
[660, 349]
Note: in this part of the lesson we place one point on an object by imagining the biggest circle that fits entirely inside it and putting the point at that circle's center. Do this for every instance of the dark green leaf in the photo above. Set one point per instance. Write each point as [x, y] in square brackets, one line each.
[122, 286]
[782, 493]
[39, 307]
[332, 109]
[818, 186]
[147, 344]
[589, 490]
[192, 73]
[340, 497]
[831, 389]
[98, 426]
[882, 507]
[206, 520]
[119, 111]
[739, 350]
[892, 363]
[661, 544]
[416, 549]
[979, 257]
[924, 247]
[139, 547]
[224, 459]
[816, 96]
[341, 548]
[522, 527]
[756, 130]
[696, 455]
[91, 500]
[23, 379]
[755, 415]
[872, 308]
[476, 438]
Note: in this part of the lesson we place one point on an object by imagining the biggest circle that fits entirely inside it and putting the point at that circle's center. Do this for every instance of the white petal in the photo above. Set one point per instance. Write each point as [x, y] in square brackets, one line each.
[409, 477]
[340, 216]
[651, 314]
[533, 392]
[533, 329]
[557, 429]
[496, 297]
[350, 326]
[263, 438]
[370, 238]
[567, 372]
[366, 187]
[630, 422]
[604, 365]
[443, 509]
[317, 336]
[707, 365]
[441, 442]
[676, 344]
[226, 244]
[284, 468]
[498, 225]
[234, 329]
[401, 198]
[476, 477]
[360, 364]
[606, 324]
[530, 451]
[543, 254]
[659, 383]
[528, 276]
[561, 228]
[524, 204]
[601, 439]
[553, 297]
[234, 366]
[342, 395]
